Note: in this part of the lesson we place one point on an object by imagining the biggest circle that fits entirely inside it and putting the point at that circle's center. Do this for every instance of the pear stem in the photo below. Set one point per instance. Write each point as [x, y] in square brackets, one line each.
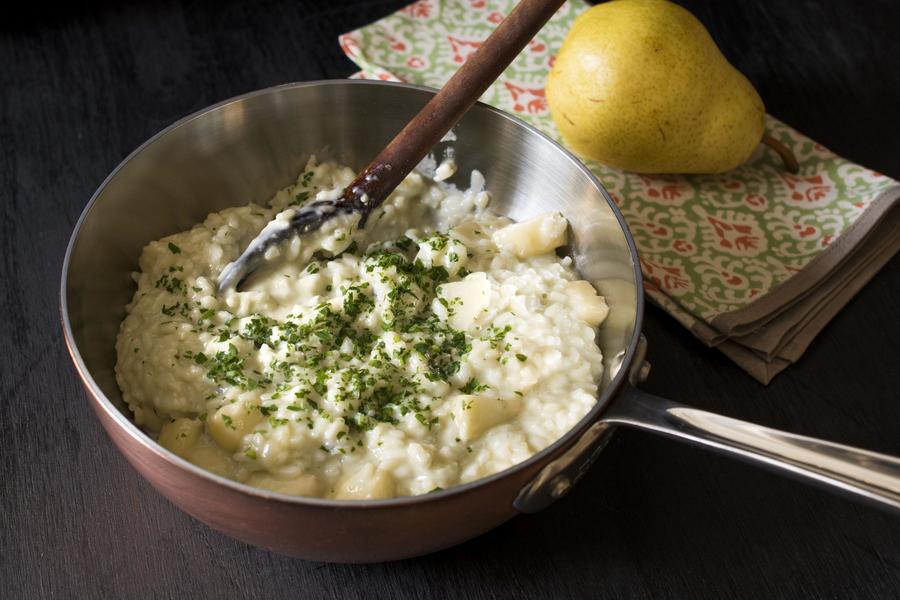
[787, 156]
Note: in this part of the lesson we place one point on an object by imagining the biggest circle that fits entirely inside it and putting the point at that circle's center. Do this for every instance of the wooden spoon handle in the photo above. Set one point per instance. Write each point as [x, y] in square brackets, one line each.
[448, 106]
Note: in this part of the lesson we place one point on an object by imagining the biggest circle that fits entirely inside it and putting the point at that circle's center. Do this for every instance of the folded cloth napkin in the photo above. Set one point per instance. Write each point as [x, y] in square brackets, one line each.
[754, 262]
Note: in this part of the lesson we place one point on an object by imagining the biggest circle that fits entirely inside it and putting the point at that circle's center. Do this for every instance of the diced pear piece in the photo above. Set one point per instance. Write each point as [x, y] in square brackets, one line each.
[206, 454]
[620, 294]
[589, 306]
[304, 485]
[232, 422]
[476, 414]
[467, 299]
[533, 237]
[368, 483]
[180, 435]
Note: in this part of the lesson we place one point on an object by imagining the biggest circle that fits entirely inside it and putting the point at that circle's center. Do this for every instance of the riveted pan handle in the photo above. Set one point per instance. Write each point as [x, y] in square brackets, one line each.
[859, 473]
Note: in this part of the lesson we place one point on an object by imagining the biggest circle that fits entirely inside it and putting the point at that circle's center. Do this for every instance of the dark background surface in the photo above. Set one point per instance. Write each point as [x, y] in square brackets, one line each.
[81, 87]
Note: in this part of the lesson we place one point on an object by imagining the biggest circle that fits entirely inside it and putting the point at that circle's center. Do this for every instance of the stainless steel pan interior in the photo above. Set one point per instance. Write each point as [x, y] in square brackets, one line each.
[243, 150]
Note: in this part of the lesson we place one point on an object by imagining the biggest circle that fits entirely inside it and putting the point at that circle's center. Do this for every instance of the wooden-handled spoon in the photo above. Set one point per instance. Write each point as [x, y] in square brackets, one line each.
[410, 146]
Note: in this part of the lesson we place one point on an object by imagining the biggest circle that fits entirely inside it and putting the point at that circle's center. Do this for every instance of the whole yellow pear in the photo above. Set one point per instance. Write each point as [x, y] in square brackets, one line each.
[640, 85]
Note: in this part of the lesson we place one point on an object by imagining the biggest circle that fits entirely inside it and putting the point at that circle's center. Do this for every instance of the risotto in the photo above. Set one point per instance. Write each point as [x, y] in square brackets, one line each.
[438, 345]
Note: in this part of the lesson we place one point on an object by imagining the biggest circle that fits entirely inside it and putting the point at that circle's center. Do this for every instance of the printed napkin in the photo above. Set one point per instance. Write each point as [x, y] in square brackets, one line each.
[754, 262]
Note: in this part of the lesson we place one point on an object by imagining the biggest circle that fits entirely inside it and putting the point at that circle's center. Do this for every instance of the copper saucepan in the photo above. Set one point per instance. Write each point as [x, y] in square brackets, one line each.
[244, 150]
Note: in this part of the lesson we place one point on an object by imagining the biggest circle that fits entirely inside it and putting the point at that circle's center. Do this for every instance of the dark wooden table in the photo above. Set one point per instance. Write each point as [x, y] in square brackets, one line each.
[80, 88]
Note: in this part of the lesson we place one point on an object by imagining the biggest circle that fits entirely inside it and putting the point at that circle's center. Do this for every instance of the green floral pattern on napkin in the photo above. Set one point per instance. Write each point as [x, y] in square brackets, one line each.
[708, 244]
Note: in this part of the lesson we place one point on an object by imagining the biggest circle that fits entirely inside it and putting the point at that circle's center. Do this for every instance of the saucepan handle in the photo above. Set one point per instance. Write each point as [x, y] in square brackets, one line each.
[862, 474]
[868, 475]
